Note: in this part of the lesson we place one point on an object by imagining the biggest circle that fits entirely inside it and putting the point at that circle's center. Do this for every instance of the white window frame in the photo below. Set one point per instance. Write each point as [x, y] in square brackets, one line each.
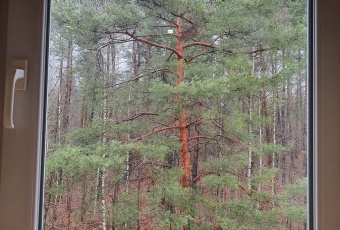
[21, 148]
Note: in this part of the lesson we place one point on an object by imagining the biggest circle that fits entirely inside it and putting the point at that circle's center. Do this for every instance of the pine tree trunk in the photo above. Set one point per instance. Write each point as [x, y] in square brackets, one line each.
[282, 124]
[183, 116]
[83, 112]
[114, 200]
[195, 159]
[196, 148]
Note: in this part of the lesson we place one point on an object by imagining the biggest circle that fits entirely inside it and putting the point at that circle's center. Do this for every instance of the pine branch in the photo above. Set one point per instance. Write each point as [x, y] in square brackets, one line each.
[159, 164]
[154, 132]
[198, 55]
[201, 136]
[210, 45]
[198, 121]
[155, 35]
[167, 20]
[181, 16]
[135, 116]
[152, 43]
[143, 75]
[200, 177]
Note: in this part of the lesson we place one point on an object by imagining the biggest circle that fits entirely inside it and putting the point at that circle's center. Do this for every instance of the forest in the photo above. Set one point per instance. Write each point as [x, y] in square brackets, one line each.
[177, 114]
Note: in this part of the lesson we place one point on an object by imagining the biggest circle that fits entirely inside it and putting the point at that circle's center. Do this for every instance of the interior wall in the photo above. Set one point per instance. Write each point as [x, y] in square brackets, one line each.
[3, 41]
[328, 114]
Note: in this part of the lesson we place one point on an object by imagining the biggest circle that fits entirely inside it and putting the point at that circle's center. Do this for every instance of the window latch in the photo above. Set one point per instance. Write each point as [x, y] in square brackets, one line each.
[15, 80]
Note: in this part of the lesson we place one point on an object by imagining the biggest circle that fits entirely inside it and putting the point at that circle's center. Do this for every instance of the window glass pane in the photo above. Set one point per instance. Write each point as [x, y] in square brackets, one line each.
[174, 114]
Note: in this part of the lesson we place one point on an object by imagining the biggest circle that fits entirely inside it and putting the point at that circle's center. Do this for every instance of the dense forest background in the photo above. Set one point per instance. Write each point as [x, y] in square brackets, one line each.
[174, 114]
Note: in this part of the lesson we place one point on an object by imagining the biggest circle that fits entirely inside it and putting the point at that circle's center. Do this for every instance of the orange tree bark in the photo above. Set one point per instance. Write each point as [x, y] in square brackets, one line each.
[183, 130]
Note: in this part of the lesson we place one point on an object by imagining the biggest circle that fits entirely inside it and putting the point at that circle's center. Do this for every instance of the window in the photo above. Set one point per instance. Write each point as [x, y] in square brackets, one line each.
[141, 90]
[19, 162]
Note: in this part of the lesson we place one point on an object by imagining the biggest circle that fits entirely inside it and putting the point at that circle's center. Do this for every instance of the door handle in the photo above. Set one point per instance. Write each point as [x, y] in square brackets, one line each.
[15, 80]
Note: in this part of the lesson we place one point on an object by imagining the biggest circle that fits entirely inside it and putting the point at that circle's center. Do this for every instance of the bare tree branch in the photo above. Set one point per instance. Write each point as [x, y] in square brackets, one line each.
[135, 116]
[153, 43]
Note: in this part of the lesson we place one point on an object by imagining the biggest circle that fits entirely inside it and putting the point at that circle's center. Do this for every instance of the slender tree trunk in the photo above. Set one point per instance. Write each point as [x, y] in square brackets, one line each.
[275, 97]
[48, 199]
[127, 179]
[261, 158]
[273, 154]
[105, 141]
[250, 132]
[195, 159]
[56, 129]
[282, 117]
[114, 200]
[68, 91]
[183, 116]
[135, 58]
[103, 201]
[83, 112]
[98, 178]
[250, 150]
[138, 199]
[83, 200]
[135, 71]
[196, 148]
[69, 201]
[292, 153]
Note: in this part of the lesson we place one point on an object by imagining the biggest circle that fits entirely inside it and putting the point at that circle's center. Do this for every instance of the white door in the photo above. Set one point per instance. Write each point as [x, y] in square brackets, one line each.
[21, 147]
